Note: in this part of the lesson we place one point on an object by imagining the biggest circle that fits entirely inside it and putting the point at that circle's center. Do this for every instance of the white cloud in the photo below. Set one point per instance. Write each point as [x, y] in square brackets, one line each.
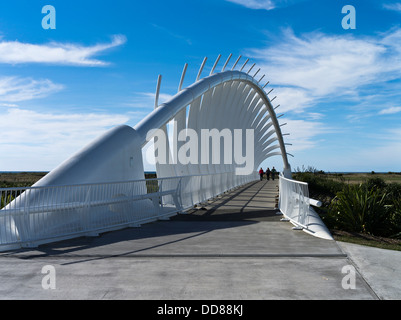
[325, 64]
[14, 89]
[163, 97]
[9, 105]
[391, 110]
[317, 66]
[255, 4]
[309, 69]
[293, 99]
[48, 138]
[15, 52]
[146, 100]
[392, 6]
[302, 134]
[265, 4]
[314, 115]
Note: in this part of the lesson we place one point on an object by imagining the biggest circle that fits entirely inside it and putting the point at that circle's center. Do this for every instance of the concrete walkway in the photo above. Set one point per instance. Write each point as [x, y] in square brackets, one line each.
[232, 247]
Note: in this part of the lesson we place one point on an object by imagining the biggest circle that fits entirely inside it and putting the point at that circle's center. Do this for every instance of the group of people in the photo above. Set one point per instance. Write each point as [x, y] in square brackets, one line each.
[268, 172]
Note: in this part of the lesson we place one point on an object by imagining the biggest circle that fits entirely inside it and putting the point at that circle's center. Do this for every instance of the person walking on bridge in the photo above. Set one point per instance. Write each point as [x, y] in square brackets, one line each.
[261, 174]
[273, 173]
[268, 174]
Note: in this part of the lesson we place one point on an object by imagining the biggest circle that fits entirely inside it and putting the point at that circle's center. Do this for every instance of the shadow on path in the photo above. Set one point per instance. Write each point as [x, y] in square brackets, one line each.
[231, 210]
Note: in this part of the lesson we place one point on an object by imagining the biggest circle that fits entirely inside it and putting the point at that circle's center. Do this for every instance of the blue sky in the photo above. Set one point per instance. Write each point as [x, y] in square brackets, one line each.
[340, 90]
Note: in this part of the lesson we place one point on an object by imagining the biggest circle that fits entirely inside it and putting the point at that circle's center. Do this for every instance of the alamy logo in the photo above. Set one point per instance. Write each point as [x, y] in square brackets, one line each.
[348, 21]
[348, 281]
[213, 146]
[49, 280]
[49, 20]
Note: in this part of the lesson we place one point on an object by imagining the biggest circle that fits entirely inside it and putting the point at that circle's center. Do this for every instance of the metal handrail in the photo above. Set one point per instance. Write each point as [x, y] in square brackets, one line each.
[42, 214]
[294, 201]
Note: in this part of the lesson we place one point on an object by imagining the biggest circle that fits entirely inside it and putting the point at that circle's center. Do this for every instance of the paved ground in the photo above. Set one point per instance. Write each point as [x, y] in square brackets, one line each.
[380, 268]
[233, 247]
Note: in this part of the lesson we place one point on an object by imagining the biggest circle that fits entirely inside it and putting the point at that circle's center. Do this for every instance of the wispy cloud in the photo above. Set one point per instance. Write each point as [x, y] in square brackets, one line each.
[265, 4]
[9, 105]
[303, 134]
[391, 110]
[14, 89]
[255, 4]
[145, 101]
[392, 6]
[317, 66]
[48, 138]
[163, 97]
[172, 34]
[15, 52]
[308, 71]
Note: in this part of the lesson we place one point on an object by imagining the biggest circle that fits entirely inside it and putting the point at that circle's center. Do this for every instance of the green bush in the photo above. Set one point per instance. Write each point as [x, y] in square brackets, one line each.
[377, 183]
[393, 191]
[5, 199]
[372, 207]
[395, 217]
[358, 208]
[320, 183]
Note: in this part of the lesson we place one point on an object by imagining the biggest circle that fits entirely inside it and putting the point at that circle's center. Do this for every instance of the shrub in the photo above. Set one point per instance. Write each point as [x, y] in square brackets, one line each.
[395, 217]
[320, 183]
[5, 199]
[360, 209]
[393, 191]
[377, 183]
[372, 207]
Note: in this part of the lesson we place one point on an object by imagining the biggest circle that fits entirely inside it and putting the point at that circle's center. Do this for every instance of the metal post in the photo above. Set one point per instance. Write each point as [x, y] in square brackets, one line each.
[215, 64]
[251, 68]
[225, 65]
[244, 64]
[235, 64]
[182, 77]
[201, 68]
[159, 80]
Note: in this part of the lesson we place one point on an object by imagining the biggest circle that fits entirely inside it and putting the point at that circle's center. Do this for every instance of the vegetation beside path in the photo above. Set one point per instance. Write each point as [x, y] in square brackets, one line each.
[363, 208]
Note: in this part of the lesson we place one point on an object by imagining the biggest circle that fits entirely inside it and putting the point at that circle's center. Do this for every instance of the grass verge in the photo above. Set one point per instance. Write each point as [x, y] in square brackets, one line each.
[367, 240]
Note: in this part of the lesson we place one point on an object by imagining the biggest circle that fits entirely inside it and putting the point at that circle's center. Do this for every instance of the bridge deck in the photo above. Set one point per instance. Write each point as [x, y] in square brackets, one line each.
[235, 249]
[257, 201]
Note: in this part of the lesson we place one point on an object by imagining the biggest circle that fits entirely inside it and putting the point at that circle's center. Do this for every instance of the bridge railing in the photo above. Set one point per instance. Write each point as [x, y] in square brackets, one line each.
[31, 216]
[294, 201]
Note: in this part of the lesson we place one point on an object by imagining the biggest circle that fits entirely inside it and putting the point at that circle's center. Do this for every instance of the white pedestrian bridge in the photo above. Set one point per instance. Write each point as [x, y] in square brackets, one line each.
[209, 138]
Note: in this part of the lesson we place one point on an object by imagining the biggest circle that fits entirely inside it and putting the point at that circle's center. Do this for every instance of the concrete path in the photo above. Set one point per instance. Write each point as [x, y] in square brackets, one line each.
[234, 247]
[380, 268]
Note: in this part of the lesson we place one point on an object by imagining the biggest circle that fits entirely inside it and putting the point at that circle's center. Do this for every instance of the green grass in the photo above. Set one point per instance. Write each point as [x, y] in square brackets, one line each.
[356, 178]
[20, 179]
[27, 179]
[367, 240]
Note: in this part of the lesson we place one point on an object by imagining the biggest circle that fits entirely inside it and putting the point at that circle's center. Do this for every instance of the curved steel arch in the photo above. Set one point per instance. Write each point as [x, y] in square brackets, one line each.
[209, 99]
[117, 155]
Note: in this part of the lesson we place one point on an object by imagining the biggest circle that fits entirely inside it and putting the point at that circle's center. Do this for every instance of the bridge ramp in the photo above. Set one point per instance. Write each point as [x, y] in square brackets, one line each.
[235, 249]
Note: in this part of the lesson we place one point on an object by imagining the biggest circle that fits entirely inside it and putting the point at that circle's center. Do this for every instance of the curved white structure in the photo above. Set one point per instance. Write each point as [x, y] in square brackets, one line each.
[224, 126]
[227, 100]
[232, 100]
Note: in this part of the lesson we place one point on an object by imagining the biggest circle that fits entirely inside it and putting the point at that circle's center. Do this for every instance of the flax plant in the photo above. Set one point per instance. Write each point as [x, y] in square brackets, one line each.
[358, 208]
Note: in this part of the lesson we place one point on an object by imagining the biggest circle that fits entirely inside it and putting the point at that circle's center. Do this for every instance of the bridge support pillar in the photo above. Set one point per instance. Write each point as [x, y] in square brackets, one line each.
[287, 172]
